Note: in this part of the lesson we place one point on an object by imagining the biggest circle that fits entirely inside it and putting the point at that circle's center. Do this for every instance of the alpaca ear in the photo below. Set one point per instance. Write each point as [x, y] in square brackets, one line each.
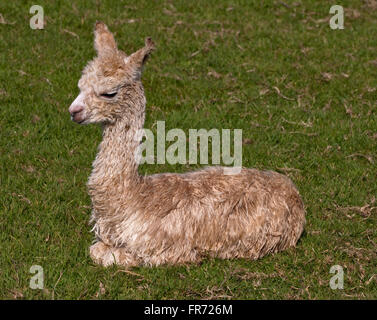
[104, 41]
[137, 60]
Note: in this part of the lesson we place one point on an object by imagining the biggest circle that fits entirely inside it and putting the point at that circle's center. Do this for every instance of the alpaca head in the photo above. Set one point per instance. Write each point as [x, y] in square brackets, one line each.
[110, 85]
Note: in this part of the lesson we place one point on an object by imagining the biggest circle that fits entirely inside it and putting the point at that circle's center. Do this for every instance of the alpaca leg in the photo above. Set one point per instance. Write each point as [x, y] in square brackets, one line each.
[105, 255]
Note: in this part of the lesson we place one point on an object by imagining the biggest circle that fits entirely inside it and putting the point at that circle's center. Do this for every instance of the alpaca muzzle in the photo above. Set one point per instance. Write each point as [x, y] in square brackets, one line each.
[77, 114]
[76, 110]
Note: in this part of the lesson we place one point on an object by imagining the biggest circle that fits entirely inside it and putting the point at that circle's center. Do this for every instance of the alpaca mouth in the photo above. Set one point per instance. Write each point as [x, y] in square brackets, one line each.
[78, 117]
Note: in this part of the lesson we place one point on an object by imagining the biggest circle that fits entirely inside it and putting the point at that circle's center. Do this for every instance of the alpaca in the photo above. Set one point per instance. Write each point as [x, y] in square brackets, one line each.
[170, 218]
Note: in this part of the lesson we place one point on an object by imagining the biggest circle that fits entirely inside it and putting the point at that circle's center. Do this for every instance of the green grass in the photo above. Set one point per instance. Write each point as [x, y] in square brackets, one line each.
[218, 65]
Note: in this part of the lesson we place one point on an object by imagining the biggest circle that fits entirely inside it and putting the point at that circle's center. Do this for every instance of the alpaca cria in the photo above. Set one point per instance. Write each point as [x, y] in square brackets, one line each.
[170, 218]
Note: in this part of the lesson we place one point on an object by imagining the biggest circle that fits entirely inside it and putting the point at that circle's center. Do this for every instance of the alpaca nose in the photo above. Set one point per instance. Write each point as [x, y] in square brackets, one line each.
[78, 105]
[75, 108]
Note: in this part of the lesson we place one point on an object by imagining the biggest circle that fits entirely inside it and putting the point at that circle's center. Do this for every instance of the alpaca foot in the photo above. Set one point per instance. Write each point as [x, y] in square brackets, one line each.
[105, 255]
[101, 254]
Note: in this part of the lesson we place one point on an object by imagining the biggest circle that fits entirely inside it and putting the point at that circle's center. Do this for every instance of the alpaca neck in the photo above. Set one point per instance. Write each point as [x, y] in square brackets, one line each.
[115, 164]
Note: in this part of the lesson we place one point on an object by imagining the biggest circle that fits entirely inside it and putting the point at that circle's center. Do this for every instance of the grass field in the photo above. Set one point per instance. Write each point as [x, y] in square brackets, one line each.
[303, 94]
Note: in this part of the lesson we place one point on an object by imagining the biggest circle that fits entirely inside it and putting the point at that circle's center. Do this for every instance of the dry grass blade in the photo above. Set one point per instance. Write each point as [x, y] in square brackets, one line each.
[141, 278]
[369, 158]
[281, 95]
[71, 33]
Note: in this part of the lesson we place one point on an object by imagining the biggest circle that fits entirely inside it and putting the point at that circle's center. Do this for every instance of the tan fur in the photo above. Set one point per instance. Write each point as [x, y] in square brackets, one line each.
[171, 218]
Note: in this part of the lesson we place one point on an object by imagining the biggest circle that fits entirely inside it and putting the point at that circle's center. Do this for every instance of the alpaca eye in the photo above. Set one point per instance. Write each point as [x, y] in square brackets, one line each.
[109, 95]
